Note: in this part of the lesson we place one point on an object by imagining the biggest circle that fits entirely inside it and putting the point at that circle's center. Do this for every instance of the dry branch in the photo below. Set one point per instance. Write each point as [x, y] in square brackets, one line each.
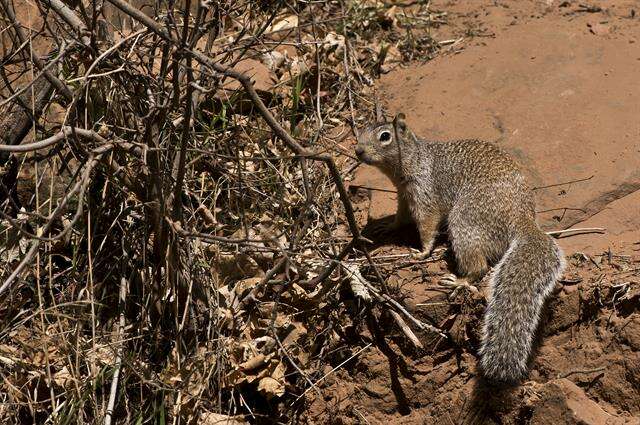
[62, 88]
[80, 186]
[384, 298]
[200, 194]
[259, 104]
[15, 125]
[50, 141]
[70, 18]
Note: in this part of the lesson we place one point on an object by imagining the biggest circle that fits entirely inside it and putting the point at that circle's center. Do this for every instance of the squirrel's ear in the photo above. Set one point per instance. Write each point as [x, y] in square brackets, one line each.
[378, 111]
[399, 121]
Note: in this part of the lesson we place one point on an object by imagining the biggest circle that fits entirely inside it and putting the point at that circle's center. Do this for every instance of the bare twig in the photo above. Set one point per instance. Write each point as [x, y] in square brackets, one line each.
[562, 184]
[326, 375]
[56, 138]
[119, 339]
[81, 186]
[406, 330]
[393, 303]
[582, 230]
[70, 18]
[55, 81]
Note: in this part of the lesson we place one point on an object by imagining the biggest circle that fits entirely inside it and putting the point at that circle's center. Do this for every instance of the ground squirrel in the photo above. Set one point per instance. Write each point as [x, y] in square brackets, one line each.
[480, 194]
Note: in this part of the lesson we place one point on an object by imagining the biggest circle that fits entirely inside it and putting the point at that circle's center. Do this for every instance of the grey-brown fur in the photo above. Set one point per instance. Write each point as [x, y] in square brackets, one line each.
[479, 192]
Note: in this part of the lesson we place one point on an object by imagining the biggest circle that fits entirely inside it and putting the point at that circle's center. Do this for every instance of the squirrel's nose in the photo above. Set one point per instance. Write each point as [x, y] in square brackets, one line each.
[359, 150]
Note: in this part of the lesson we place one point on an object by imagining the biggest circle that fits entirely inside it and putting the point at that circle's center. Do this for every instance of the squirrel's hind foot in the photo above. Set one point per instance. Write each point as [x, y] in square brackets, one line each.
[420, 255]
[431, 254]
[457, 285]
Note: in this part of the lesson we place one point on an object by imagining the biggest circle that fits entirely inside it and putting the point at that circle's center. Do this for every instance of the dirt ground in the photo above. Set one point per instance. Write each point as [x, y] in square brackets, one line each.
[556, 84]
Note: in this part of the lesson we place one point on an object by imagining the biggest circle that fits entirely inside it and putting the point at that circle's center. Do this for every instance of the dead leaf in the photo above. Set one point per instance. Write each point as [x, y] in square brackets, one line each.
[271, 387]
[286, 23]
[297, 332]
[210, 418]
[243, 286]
[63, 378]
[298, 67]
[254, 363]
[237, 266]
[273, 60]
[390, 57]
[335, 42]
[390, 14]
[261, 76]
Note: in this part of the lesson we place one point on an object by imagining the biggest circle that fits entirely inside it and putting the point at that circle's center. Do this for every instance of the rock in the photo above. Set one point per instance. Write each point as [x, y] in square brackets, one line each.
[563, 402]
[599, 29]
[630, 332]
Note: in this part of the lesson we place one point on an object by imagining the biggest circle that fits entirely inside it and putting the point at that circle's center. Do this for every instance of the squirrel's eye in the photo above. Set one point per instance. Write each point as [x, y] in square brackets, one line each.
[385, 136]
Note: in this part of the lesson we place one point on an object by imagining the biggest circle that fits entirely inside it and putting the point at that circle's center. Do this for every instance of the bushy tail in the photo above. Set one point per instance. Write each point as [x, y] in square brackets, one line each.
[521, 282]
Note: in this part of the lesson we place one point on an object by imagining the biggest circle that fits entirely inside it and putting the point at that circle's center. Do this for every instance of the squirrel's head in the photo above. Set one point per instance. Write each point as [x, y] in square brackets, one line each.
[377, 144]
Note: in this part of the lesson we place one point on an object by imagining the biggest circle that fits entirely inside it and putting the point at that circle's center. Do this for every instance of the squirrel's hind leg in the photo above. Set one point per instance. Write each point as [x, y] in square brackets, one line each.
[472, 246]
[471, 260]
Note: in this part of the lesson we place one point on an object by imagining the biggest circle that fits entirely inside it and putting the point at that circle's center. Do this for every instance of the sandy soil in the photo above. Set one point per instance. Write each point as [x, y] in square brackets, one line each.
[557, 86]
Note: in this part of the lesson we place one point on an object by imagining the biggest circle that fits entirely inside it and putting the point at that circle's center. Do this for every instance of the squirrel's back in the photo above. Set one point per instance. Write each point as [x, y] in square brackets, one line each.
[478, 174]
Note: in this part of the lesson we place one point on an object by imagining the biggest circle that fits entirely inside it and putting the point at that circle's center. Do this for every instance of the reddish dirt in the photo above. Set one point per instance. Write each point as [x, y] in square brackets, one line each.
[563, 100]
[557, 87]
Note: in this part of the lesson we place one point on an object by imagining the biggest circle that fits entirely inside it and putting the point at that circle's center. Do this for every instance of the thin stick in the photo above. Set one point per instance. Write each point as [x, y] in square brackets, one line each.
[63, 50]
[333, 370]
[81, 185]
[563, 183]
[262, 109]
[406, 330]
[398, 306]
[580, 230]
[573, 372]
[63, 89]
[56, 138]
[70, 18]
[373, 188]
[119, 337]
[418, 323]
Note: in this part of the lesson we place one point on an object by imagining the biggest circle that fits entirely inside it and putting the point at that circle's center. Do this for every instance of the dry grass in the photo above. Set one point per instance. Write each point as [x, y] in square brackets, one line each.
[168, 245]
